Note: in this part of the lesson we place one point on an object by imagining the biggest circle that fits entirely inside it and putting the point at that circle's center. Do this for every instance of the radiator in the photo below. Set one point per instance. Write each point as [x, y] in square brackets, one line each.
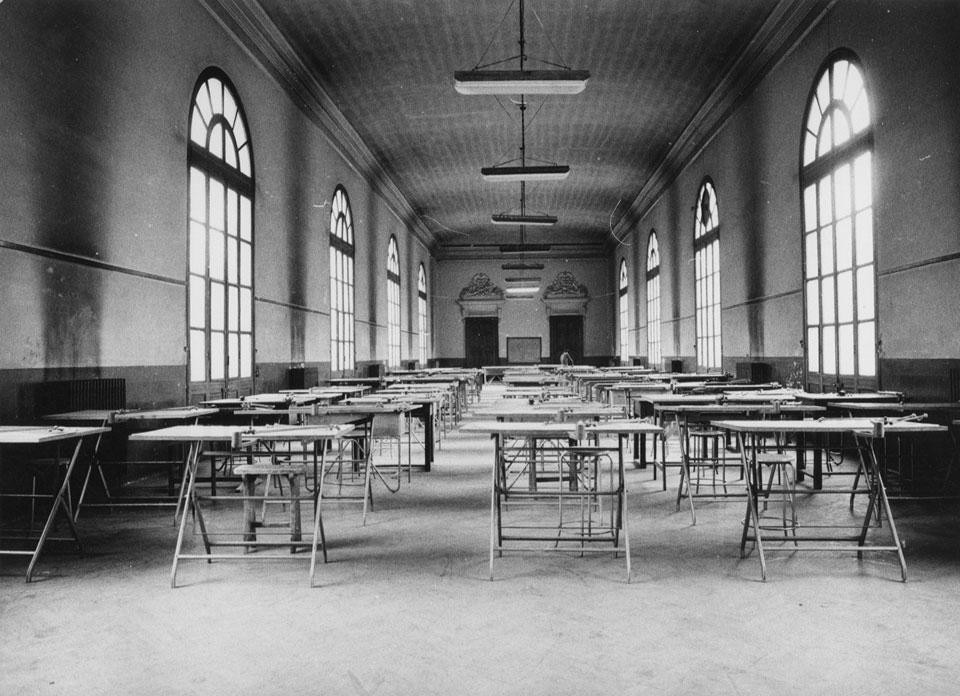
[40, 398]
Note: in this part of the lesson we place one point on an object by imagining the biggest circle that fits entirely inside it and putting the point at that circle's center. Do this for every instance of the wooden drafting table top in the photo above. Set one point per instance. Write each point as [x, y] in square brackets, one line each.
[624, 426]
[123, 416]
[38, 435]
[638, 386]
[677, 399]
[364, 409]
[886, 407]
[765, 408]
[828, 397]
[296, 433]
[826, 425]
[521, 429]
[192, 433]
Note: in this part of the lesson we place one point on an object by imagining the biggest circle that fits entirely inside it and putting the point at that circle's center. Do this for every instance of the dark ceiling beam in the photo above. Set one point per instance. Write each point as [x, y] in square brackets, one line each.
[787, 24]
[253, 30]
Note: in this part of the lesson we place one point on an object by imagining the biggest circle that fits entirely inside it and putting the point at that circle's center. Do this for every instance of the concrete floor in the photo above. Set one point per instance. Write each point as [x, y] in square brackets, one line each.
[406, 607]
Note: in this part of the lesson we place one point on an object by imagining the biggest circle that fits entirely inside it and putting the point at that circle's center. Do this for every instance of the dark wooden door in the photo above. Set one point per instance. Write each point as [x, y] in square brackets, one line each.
[482, 340]
[566, 333]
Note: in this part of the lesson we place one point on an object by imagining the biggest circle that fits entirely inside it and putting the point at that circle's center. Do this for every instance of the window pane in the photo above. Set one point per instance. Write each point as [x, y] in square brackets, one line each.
[813, 302]
[198, 302]
[216, 355]
[825, 139]
[198, 129]
[198, 195]
[246, 264]
[844, 244]
[813, 349]
[245, 219]
[216, 204]
[860, 114]
[810, 208]
[826, 250]
[854, 83]
[829, 351]
[232, 259]
[198, 355]
[233, 212]
[233, 308]
[841, 184]
[864, 237]
[198, 248]
[845, 296]
[246, 310]
[845, 349]
[863, 181]
[233, 342]
[216, 255]
[217, 306]
[827, 306]
[810, 256]
[245, 160]
[246, 361]
[826, 205]
[865, 299]
[841, 128]
[867, 353]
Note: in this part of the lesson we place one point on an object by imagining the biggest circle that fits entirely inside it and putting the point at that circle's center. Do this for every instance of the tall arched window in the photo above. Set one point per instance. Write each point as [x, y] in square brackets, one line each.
[393, 303]
[624, 313]
[220, 240]
[706, 260]
[342, 337]
[423, 325]
[654, 355]
[839, 263]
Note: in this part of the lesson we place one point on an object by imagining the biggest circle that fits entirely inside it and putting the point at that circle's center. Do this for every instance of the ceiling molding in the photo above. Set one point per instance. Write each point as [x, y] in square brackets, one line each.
[786, 25]
[253, 30]
[477, 252]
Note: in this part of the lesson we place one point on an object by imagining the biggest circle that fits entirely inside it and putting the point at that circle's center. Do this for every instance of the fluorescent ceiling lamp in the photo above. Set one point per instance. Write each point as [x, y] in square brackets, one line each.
[552, 172]
[510, 219]
[520, 81]
[520, 266]
[523, 290]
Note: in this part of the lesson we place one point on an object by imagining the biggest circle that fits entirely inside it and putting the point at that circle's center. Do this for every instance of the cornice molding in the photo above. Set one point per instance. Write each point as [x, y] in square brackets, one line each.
[786, 25]
[252, 29]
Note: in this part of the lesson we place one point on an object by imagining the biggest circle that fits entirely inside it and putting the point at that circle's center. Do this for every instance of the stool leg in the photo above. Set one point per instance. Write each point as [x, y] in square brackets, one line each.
[249, 508]
[296, 531]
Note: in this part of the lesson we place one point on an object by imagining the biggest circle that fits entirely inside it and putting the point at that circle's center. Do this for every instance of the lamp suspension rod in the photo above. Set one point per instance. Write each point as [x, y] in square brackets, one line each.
[522, 41]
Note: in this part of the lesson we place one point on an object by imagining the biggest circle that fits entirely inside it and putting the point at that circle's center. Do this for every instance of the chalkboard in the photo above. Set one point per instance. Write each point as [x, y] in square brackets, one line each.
[523, 350]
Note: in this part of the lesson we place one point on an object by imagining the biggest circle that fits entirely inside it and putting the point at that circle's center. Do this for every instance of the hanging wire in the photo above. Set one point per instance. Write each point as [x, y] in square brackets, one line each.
[620, 242]
[557, 50]
[493, 36]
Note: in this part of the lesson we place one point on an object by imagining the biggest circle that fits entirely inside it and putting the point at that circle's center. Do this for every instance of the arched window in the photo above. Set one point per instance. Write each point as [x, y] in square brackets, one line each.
[423, 324]
[654, 355]
[342, 337]
[393, 303]
[706, 261]
[624, 313]
[839, 263]
[220, 240]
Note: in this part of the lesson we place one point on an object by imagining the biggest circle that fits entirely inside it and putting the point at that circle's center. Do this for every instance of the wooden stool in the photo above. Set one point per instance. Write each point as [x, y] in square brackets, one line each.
[249, 474]
[781, 469]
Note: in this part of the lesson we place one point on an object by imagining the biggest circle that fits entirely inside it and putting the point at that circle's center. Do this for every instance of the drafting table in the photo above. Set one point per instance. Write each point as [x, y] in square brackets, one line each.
[750, 436]
[240, 440]
[37, 437]
[553, 485]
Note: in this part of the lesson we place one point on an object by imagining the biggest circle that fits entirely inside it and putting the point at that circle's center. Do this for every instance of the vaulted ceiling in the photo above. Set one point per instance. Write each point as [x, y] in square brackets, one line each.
[378, 74]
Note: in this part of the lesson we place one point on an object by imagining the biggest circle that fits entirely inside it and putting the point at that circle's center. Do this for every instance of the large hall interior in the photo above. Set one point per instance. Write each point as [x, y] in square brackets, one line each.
[500, 347]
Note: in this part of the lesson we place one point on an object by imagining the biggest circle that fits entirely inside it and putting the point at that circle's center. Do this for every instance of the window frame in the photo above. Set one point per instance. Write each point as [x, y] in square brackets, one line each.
[224, 277]
[422, 323]
[854, 324]
[654, 337]
[624, 312]
[707, 289]
[342, 255]
[394, 353]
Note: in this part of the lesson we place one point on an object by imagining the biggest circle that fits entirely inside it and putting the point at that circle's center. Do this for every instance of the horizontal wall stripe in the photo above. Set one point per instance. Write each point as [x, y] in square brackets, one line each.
[291, 305]
[67, 257]
[922, 264]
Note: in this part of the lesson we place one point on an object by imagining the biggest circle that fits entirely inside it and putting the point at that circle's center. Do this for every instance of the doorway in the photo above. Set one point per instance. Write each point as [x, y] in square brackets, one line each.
[566, 333]
[481, 339]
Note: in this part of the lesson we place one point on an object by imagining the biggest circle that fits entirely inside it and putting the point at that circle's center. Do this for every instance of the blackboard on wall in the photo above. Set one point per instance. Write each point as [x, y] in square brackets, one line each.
[523, 349]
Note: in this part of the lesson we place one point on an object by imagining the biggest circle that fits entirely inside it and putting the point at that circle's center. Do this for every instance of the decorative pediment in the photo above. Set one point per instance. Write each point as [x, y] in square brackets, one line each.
[481, 287]
[565, 285]
[481, 298]
[565, 295]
